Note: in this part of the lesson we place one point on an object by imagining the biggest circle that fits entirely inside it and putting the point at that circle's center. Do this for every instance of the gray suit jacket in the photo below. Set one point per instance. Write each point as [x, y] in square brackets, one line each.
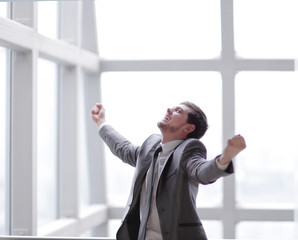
[186, 168]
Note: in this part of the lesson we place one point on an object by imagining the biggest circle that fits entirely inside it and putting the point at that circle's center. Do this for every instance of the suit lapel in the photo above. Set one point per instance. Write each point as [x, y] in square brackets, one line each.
[172, 162]
[143, 168]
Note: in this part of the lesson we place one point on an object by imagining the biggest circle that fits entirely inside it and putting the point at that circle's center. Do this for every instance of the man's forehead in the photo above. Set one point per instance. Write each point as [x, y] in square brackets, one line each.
[185, 108]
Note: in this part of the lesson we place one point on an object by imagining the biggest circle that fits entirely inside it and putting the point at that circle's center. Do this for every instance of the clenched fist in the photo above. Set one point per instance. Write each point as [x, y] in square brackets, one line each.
[234, 146]
[98, 114]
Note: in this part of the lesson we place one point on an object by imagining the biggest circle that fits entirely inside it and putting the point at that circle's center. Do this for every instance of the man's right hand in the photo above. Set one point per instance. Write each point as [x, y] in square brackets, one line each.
[98, 114]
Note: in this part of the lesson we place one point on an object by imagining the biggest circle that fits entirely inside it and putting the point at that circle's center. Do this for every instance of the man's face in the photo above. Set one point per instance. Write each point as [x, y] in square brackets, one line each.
[175, 119]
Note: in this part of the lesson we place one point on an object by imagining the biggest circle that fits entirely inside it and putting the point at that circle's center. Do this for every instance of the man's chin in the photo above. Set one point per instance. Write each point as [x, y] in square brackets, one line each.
[160, 124]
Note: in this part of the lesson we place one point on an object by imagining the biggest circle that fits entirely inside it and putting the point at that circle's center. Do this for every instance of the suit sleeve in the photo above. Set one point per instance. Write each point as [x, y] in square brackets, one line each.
[199, 169]
[119, 145]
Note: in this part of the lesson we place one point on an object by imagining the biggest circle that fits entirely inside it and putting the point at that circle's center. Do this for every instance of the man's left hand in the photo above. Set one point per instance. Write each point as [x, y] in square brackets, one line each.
[234, 146]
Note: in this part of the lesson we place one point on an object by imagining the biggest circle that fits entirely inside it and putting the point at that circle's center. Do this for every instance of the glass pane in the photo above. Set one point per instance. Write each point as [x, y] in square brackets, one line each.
[266, 114]
[159, 29]
[270, 33]
[266, 230]
[47, 138]
[3, 9]
[113, 226]
[87, 234]
[47, 18]
[82, 149]
[136, 101]
[213, 229]
[3, 139]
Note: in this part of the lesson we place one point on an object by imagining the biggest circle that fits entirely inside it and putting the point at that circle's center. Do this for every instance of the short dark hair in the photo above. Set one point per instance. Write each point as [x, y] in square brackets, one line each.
[198, 118]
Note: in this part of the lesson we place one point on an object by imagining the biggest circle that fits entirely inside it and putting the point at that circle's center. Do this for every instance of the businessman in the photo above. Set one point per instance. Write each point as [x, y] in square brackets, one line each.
[168, 170]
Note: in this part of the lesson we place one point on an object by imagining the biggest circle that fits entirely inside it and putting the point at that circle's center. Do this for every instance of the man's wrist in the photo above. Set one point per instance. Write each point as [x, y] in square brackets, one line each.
[224, 160]
[101, 125]
[220, 165]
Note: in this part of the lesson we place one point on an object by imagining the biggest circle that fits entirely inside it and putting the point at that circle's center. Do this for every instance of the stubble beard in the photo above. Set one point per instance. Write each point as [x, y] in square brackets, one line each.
[166, 128]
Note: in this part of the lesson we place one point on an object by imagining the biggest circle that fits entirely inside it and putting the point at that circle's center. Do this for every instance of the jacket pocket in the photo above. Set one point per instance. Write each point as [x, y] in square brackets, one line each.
[191, 231]
[189, 224]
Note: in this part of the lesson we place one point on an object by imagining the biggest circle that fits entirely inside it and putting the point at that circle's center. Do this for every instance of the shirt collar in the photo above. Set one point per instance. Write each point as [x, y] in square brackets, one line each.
[169, 146]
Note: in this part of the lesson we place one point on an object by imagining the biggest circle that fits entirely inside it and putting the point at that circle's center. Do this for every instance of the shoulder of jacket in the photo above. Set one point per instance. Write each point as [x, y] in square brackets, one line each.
[152, 141]
[154, 137]
[191, 142]
[189, 145]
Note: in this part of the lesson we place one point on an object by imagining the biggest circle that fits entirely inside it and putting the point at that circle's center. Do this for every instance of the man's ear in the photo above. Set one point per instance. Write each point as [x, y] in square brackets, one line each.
[189, 128]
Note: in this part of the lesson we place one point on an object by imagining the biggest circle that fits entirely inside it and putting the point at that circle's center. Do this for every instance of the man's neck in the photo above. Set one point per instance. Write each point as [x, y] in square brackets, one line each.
[166, 139]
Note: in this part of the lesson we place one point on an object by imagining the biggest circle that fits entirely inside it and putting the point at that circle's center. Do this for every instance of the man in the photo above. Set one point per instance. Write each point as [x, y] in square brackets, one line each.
[162, 203]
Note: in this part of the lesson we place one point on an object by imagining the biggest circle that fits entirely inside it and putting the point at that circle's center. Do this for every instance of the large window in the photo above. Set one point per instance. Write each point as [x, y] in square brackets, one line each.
[51, 187]
[229, 57]
[159, 29]
[259, 105]
[47, 141]
[3, 138]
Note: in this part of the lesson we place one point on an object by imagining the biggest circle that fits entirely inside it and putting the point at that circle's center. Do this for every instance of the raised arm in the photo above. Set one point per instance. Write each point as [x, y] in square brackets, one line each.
[119, 145]
[207, 171]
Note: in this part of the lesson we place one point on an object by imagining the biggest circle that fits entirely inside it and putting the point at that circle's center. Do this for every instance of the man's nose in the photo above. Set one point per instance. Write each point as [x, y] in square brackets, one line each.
[170, 110]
